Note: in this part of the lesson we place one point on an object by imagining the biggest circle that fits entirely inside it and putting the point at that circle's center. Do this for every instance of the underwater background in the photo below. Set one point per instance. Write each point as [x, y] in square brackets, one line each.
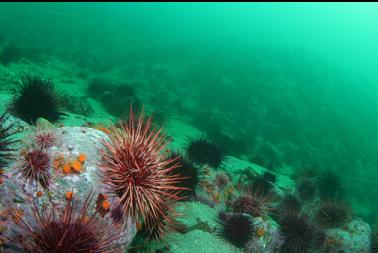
[270, 107]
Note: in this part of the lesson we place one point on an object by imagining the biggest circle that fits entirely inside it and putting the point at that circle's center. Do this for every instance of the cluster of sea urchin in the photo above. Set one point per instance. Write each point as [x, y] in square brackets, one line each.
[138, 173]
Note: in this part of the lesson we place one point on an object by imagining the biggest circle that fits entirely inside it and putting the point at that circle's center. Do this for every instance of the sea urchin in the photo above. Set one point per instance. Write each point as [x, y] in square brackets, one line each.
[202, 151]
[306, 190]
[252, 203]
[237, 228]
[333, 213]
[5, 141]
[299, 233]
[35, 167]
[138, 172]
[190, 175]
[35, 97]
[71, 232]
[44, 135]
[221, 180]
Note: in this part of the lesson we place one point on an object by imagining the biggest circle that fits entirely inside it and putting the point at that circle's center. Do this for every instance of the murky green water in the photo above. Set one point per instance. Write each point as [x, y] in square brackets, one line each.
[291, 87]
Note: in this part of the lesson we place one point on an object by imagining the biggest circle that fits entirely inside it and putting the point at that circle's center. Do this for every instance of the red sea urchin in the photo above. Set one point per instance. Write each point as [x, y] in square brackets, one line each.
[138, 172]
[35, 167]
[71, 232]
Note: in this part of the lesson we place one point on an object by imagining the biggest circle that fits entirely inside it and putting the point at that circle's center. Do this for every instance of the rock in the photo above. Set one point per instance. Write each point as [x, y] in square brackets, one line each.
[71, 142]
[199, 241]
[79, 105]
[198, 213]
[355, 237]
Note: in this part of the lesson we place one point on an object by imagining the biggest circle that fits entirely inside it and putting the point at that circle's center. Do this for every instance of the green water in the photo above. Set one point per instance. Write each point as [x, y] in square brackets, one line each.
[288, 86]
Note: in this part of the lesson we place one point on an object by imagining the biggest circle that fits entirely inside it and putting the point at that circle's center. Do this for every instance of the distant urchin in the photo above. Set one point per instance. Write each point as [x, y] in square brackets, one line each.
[287, 204]
[329, 185]
[237, 228]
[252, 203]
[35, 97]
[260, 184]
[306, 190]
[203, 151]
[333, 213]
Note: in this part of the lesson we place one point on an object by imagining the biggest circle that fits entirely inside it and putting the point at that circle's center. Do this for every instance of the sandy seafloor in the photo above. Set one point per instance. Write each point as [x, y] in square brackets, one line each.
[66, 79]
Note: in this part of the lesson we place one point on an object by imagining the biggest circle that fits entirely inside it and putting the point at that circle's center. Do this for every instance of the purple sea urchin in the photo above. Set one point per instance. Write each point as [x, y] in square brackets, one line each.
[202, 151]
[333, 213]
[299, 233]
[289, 205]
[190, 175]
[252, 203]
[262, 185]
[35, 97]
[237, 228]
